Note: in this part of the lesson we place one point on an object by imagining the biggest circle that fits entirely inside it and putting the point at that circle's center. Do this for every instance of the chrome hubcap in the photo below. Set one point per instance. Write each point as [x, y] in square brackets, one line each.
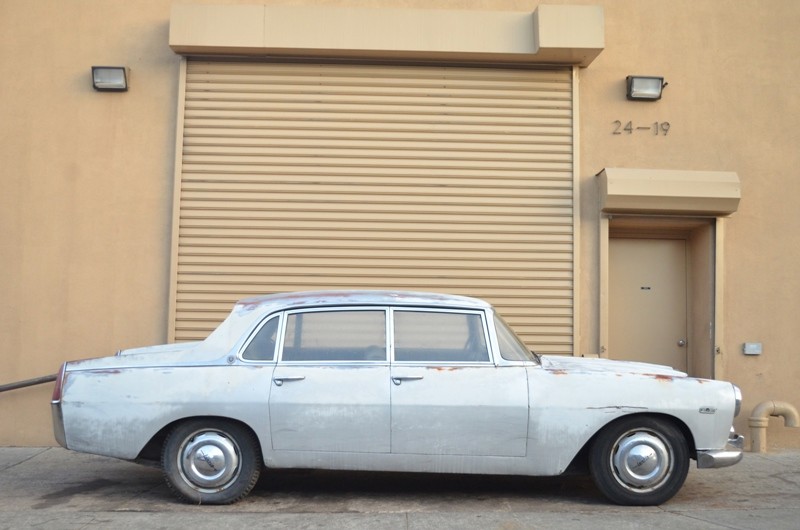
[641, 461]
[209, 460]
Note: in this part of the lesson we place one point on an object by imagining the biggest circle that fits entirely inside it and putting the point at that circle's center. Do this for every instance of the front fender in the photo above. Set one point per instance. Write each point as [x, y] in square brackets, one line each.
[568, 408]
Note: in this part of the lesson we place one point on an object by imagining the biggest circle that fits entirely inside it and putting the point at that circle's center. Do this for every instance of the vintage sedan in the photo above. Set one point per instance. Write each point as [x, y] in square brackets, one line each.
[390, 381]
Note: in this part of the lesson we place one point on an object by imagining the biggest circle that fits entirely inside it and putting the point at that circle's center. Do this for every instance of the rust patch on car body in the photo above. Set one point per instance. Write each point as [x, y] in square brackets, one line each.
[664, 378]
[80, 362]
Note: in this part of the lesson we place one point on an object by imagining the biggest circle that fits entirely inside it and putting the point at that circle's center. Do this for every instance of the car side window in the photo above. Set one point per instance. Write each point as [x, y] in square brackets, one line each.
[440, 337]
[357, 335]
[262, 346]
[511, 348]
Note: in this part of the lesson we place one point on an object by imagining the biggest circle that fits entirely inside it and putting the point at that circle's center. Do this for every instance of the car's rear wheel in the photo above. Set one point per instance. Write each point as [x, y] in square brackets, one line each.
[211, 461]
[639, 461]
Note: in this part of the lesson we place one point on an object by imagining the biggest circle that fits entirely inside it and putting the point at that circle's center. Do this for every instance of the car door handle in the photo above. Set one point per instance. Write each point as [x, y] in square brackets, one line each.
[280, 380]
[399, 380]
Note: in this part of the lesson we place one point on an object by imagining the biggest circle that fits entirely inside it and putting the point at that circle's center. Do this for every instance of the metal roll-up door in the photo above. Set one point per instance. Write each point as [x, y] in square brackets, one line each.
[310, 176]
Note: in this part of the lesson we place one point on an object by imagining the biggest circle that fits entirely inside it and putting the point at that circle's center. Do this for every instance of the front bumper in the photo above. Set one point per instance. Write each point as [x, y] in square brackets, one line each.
[729, 456]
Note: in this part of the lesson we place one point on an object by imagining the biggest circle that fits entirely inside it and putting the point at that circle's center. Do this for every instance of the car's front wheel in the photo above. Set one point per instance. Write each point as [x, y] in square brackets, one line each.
[639, 461]
[211, 461]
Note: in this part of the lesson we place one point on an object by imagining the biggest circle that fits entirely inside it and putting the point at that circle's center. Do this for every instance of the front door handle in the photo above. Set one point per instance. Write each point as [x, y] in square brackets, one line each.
[280, 380]
[398, 380]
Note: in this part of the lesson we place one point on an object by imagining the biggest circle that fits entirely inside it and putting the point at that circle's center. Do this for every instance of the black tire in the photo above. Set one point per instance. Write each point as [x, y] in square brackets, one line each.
[211, 461]
[639, 461]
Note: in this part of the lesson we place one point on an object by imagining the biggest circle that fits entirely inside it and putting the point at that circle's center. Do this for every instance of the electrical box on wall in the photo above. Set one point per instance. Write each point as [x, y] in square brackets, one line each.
[752, 348]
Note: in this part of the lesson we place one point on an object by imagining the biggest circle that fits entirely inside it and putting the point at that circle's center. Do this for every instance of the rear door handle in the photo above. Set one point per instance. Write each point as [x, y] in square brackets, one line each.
[280, 380]
[398, 380]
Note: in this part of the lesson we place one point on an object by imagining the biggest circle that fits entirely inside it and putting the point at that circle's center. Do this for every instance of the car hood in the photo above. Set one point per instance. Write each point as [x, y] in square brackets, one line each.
[559, 363]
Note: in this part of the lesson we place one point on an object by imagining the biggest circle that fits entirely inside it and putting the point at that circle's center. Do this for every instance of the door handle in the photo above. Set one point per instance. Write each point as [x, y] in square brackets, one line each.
[681, 343]
[280, 380]
[399, 380]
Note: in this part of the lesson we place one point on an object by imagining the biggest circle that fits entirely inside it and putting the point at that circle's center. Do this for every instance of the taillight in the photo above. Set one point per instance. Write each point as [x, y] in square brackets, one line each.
[62, 374]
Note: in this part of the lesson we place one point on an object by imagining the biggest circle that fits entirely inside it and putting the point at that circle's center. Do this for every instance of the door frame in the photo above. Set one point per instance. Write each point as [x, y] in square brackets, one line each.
[704, 237]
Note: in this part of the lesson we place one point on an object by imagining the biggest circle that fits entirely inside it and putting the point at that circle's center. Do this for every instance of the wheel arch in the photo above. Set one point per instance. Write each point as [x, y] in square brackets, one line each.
[151, 452]
[580, 463]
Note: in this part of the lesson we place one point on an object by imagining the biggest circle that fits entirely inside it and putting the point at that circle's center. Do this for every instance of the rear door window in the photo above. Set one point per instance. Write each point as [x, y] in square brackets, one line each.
[342, 335]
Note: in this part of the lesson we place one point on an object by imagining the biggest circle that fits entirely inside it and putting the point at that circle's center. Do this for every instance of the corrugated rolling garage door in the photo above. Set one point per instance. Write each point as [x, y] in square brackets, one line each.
[308, 176]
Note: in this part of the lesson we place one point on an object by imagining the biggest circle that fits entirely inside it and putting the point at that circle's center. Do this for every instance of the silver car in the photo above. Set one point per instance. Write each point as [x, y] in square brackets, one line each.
[389, 381]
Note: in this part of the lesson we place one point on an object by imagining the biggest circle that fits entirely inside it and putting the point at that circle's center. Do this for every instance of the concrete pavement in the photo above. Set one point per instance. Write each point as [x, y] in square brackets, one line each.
[52, 488]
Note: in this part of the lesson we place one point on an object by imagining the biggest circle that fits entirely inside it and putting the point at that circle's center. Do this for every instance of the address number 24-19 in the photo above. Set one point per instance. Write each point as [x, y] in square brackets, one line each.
[655, 128]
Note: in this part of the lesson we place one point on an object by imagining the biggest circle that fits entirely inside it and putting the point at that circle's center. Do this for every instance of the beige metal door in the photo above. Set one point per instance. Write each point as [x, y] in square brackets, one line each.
[647, 298]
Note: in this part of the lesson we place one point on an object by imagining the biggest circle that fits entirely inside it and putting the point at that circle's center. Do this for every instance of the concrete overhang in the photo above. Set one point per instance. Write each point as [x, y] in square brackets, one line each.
[669, 192]
[552, 34]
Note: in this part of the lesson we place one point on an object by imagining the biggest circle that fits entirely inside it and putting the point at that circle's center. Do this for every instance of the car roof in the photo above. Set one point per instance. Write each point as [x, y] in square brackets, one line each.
[302, 299]
[249, 311]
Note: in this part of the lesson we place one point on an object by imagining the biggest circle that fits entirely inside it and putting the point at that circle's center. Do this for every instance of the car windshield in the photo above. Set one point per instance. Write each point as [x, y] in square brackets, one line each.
[511, 348]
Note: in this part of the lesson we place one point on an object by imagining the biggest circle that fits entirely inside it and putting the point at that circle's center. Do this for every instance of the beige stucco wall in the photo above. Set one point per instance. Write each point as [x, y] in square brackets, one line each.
[85, 206]
[726, 64]
[87, 177]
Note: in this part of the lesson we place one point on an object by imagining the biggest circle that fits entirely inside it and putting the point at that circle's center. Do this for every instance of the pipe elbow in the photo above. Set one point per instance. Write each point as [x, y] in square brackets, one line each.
[760, 415]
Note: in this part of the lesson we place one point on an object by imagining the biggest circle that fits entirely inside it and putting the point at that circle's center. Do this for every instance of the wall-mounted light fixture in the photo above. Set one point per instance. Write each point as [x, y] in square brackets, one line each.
[110, 78]
[644, 88]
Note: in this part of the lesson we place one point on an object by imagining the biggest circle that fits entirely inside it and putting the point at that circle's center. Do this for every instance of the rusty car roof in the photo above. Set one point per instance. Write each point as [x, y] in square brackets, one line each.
[293, 300]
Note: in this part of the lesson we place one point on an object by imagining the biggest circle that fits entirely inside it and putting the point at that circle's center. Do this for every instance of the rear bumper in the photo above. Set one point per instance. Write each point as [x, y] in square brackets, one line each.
[58, 424]
[729, 456]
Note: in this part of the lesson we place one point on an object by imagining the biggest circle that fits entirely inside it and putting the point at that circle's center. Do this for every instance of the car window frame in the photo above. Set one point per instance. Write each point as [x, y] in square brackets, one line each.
[487, 335]
[278, 339]
[333, 362]
[485, 318]
[492, 317]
